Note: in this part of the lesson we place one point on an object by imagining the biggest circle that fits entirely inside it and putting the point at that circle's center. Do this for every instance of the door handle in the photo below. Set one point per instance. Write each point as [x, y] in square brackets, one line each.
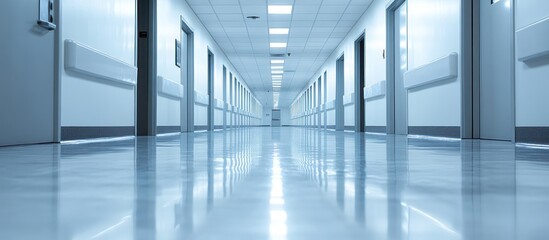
[45, 15]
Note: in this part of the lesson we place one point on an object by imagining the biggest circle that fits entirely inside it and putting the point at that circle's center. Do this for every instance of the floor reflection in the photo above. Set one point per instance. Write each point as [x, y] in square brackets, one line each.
[275, 183]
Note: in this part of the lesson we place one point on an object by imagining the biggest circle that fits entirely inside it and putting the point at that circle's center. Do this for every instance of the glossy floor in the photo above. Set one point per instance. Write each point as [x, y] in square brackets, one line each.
[280, 183]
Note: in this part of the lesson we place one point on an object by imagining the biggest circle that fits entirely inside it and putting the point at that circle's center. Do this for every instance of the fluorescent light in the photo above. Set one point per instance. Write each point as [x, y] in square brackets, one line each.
[279, 30]
[277, 71]
[277, 67]
[278, 45]
[277, 81]
[277, 61]
[280, 9]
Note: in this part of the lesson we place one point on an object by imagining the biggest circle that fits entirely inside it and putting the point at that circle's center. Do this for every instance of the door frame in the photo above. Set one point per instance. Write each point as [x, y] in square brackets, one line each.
[391, 64]
[211, 97]
[470, 62]
[340, 91]
[58, 46]
[325, 100]
[187, 102]
[360, 79]
[320, 111]
[224, 97]
[146, 65]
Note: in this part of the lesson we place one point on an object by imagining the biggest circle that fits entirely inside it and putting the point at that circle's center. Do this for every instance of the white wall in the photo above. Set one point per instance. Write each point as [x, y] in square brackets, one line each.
[531, 80]
[372, 23]
[438, 105]
[107, 26]
[375, 42]
[168, 30]
[285, 117]
[267, 120]
[433, 32]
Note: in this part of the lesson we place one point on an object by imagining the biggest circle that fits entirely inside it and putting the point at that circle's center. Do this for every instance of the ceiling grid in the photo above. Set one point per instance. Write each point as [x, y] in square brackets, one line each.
[316, 28]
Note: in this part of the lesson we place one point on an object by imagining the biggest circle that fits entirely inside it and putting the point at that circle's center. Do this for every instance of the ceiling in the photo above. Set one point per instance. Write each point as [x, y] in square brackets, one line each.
[317, 27]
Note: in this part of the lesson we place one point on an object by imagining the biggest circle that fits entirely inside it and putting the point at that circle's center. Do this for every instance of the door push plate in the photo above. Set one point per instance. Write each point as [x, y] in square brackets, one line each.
[45, 15]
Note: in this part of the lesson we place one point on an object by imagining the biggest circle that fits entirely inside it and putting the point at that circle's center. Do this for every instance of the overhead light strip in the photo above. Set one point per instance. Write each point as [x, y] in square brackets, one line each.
[280, 9]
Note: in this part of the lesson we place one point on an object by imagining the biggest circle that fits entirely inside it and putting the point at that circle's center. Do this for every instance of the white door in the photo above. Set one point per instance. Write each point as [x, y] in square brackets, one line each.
[496, 70]
[27, 85]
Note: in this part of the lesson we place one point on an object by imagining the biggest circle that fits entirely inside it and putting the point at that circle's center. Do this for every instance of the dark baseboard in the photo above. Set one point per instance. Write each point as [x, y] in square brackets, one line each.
[536, 135]
[331, 127]
[376, 129]
[218, 127]
[451, 132]
[201, 128]
[168, 129]
[349, 128]
[76, 133]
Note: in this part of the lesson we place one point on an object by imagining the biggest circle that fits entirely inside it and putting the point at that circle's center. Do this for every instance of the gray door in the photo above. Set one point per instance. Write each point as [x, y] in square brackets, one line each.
[276, 118]
[496, 70]
[401, 66]
[27, 86]
[187, 102]
[339, 108]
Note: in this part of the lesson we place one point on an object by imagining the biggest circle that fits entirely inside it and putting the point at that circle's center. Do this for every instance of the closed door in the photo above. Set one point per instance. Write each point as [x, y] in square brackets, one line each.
[27, 86]
[496, 70]
[340, 78]
[276, 118]
[401, 66]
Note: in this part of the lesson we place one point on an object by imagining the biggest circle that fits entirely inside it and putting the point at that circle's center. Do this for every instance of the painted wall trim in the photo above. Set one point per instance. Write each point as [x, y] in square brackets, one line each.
[349, 99]
[376, 90]
[536, 135]
[86, 60]
[436, 131]
[170, 88]
[168, 129]
[201, 99]
[532, 41]
[439, 70]
[219, 104]
[77, 133]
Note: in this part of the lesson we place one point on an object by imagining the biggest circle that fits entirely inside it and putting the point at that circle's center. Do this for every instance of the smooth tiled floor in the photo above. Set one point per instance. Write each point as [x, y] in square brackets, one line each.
[280, 183]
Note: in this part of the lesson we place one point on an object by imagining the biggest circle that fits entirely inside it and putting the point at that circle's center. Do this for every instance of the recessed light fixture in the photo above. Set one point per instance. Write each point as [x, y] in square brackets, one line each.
[277, 61]
[278, 45]
[277, 71]
[277, 76]
[279, 30]
[277, 67]
[280, 9]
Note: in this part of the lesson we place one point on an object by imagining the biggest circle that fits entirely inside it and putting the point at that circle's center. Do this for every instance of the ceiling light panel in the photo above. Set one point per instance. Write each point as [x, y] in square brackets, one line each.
[277, 61]
[280, 9]
[278, 45]
[278, 31]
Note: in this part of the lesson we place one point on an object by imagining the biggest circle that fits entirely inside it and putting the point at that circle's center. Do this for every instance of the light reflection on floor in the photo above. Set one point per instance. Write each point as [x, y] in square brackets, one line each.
[280, 183]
